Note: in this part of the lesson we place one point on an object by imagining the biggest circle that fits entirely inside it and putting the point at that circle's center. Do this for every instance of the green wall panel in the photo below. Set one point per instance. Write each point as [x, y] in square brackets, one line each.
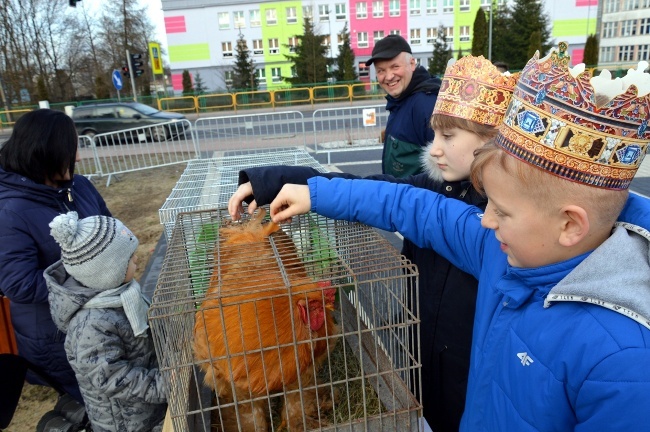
[189, 52]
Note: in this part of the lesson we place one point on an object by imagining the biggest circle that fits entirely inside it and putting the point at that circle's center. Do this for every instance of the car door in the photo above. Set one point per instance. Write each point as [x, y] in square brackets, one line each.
[132, 118]
[105, 119]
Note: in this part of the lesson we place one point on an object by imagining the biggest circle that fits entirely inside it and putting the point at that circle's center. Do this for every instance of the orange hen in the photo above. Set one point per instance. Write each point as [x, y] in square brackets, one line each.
[263, 328]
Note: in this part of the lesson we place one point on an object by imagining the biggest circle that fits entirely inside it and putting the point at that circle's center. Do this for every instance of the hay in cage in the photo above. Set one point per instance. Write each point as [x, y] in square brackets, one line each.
[311, 325]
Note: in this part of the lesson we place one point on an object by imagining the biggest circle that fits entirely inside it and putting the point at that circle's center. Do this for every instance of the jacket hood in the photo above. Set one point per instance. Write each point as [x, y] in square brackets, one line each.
[66, 295]
[616, 275]
[421, 81]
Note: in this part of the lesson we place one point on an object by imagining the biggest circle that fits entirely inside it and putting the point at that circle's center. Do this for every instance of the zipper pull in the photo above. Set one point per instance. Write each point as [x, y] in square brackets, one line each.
[70, 195]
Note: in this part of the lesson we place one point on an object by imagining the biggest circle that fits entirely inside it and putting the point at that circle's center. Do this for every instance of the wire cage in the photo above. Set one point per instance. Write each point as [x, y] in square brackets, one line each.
[308, 326]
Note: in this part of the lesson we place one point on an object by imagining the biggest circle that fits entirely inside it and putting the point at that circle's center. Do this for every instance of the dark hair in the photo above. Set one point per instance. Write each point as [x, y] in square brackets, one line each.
[43, 144]
[501, 65]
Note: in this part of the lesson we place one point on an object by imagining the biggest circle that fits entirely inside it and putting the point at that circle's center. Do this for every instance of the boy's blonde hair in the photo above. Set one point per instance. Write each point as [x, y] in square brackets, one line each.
[443, 122]
[603, 205]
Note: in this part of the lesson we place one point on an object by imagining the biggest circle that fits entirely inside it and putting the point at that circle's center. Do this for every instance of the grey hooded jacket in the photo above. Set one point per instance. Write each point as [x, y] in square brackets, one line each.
[118, 373]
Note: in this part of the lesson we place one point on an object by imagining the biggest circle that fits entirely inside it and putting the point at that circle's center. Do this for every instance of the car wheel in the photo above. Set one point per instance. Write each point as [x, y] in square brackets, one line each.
[159, 133]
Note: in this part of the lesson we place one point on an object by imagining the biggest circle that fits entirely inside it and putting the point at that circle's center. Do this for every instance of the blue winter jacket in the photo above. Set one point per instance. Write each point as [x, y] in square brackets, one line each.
[26, 250]
[564, 347]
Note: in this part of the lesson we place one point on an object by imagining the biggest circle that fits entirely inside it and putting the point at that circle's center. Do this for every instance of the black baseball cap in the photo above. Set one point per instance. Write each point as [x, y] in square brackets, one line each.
[389, 47]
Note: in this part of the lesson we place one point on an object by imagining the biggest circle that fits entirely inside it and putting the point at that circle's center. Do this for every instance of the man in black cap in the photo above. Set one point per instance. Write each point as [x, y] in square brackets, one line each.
[412, 94]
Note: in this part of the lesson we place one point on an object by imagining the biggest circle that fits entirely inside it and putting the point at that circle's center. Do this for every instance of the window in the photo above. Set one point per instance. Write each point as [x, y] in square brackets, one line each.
[362, 39]
[432, 7]
[449, 33]
[326, 43]
[393, 8]
[377, 9]
[609, 29]
[485, 4]
[631, 4]
[274, 48]
[464, 6]
[415, 37]
[606, 54]
[293, 43]
[260, 73]
[362, 10]
[255, 18]
[644, 27]
[340, 11]
[611, 6]
[414, 7]
[308, 12]
[240, 21]
[258, 47]
[628, 28]
[226, 47]
[224, 20]
[464, 33]
[364, 70]
[339, 39]
[271, 17]
[292, 16]
[377, 36]
[323, 12]
[276, 74]
[395, 32]
[625, 53]
[447, 6]
[432, 35]
[227, 75]
[294, 71]
[642, 53]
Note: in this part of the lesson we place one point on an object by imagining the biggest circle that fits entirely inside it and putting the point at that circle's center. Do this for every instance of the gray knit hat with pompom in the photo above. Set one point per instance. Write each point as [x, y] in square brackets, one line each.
[95, 250]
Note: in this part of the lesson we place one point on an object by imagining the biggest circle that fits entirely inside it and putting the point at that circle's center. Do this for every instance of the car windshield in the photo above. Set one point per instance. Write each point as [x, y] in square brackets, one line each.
[144, 109]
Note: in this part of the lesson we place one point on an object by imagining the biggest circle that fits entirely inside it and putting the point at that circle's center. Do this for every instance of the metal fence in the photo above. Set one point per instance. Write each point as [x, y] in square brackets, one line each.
[249, 131]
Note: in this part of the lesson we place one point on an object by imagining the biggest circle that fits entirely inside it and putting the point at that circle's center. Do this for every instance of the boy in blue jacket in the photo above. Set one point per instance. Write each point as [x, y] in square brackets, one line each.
[562, 327]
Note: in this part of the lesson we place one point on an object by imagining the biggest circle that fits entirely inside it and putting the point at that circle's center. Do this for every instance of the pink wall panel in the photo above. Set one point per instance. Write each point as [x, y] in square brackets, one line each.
[577, 55]
[175, 24]
[586, 2]
[370, 24]
[177, 81]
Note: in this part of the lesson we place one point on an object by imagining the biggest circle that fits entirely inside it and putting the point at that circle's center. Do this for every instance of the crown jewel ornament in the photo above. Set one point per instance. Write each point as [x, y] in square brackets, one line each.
[589, 130]
[474, 89]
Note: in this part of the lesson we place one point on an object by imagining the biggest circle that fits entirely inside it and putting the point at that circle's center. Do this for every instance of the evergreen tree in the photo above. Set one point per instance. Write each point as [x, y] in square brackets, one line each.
[199, 85]
[480, 34]
[526, 18]
[244, 76]
[535, 44]
[441, 54]
[591, 51]
[41, 89]
[310, 59]
[460, 54]
[345, 61]
[188, 89]
[500, 33]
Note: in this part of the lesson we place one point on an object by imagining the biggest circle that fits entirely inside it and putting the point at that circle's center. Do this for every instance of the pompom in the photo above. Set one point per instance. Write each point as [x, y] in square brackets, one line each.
[64, 228]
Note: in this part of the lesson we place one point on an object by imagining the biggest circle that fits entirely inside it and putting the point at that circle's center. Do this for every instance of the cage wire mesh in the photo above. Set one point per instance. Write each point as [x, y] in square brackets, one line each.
[313, 326]
[209, 183]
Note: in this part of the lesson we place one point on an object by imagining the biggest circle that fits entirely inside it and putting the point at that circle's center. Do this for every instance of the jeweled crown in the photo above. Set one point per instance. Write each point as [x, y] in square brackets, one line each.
[587, 129]
[474, 89]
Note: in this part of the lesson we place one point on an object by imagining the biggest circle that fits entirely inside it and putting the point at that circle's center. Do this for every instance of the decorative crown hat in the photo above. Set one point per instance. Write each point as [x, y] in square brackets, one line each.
[474, 89]
[95, 250]
[590, 130]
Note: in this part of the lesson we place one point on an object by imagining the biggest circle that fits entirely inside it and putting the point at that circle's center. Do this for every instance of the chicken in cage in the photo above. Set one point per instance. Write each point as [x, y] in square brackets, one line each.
[308, 326]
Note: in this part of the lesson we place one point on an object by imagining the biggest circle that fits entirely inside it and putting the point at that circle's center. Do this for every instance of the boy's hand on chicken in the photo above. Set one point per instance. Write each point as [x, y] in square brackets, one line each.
[236, 201]
[292, 200]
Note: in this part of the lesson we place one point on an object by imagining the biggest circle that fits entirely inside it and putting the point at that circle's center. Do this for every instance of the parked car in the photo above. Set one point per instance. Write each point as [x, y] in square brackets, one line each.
[96, 119]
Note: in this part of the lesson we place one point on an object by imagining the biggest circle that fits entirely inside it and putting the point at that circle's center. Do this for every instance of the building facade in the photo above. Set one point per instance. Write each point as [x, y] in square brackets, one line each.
[624, 32]
[202, 34]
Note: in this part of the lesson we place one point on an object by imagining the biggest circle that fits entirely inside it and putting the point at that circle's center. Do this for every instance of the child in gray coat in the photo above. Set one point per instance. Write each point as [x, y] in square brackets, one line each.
[95, 300]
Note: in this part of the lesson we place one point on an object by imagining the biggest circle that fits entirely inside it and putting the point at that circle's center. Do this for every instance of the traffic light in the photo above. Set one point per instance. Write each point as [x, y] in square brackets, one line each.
[125, 71]
[137, 64]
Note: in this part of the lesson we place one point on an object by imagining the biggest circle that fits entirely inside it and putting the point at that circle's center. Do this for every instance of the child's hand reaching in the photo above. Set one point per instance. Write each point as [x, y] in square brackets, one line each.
[291, 201]
[235, 207]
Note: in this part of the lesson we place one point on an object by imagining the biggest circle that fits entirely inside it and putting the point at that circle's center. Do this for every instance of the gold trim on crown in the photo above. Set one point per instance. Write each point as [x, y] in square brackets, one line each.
[553, 122]
[474, 89]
